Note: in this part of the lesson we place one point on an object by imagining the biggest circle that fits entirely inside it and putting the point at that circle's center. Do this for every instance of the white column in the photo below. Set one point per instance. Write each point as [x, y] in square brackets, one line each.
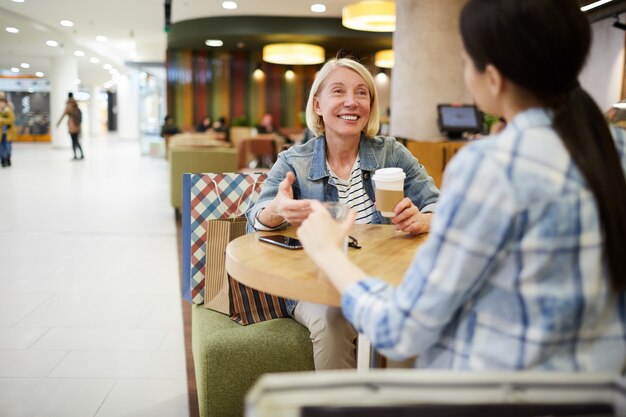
[128, 104]
[62, 81]
[428, 69]
[95, 122]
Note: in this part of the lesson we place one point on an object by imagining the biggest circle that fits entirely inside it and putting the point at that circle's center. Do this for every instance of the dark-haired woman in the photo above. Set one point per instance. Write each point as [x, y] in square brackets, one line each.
[523, 266]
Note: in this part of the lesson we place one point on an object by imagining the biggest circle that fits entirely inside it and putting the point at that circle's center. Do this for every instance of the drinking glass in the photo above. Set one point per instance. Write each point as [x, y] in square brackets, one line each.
[338, 211]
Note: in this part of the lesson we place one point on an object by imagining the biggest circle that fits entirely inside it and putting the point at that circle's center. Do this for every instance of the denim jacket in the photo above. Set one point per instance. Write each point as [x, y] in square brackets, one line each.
[313, 181]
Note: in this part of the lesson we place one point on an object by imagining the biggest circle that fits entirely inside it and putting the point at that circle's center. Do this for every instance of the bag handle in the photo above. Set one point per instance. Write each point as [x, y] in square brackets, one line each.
[238, 213]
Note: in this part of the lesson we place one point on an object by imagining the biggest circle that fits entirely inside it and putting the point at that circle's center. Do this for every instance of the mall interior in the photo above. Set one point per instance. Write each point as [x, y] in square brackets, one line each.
[100, 310]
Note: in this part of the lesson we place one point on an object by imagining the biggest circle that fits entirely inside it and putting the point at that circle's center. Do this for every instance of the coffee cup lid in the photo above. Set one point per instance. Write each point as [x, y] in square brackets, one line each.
[388, 174]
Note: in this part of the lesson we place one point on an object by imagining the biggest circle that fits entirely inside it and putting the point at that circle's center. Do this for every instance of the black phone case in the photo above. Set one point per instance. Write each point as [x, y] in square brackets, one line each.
[282, 244]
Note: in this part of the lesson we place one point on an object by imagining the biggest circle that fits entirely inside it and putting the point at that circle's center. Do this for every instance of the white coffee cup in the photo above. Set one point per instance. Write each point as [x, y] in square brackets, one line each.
[389, 185]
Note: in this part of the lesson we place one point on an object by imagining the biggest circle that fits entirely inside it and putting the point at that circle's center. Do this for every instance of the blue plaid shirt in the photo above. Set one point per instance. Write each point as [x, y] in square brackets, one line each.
[512, 275]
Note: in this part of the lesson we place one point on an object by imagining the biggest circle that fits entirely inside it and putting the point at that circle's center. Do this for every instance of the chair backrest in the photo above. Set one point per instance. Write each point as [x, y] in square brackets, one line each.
[404, 392]
[260, 150]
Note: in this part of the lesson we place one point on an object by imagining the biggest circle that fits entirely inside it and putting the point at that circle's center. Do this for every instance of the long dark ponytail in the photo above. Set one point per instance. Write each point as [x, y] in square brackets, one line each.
[541, 45]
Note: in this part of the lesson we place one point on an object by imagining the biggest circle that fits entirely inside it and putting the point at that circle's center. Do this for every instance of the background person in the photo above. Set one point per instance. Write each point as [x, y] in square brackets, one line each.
[524, 264]
[74, 120]
[338, 165]
[205, 125]
[7, 130]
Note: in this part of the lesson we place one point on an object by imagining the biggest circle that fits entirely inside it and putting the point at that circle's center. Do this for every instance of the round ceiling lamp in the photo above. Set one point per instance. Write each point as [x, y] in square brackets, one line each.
[384, 58]
[293, 54]
[370, 16]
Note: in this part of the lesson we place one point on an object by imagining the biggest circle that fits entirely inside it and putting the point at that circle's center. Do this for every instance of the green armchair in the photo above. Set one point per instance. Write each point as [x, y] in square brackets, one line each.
[197, 159]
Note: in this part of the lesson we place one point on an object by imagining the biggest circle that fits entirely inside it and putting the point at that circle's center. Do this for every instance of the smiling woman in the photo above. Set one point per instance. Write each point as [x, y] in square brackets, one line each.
[342, 111]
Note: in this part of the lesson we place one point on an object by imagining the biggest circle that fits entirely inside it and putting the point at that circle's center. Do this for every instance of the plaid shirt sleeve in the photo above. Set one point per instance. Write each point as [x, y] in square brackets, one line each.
[469, 236]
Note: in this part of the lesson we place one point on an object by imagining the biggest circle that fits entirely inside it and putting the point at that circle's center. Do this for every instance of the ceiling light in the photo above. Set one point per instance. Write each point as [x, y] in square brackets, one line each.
[24, 65]
[11, 29]
[290, 75]
[79, 53]
[107, 66]
[94, 60]
[101, 38]
[384, 58]
[258, 74]
[77, 81]
[594, 5]
[293, 54]
[18, 1]
[318, 8]
[229, 5]
[67, 23]
[213, 42]
[371, 16]
[39, 74]
[52, 43]
[15, 69]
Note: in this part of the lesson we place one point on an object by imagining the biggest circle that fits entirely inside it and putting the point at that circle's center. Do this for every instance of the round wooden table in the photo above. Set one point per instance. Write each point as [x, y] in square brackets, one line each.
[384, 253]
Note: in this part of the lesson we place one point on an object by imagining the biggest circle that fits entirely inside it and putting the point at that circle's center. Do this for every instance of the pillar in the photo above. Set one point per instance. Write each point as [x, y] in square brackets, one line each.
[428, 69]
[128, 104]
[62, 80]
[95, 117]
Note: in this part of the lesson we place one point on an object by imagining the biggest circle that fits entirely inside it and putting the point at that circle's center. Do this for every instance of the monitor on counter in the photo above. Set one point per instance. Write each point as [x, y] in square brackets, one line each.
[456, 119]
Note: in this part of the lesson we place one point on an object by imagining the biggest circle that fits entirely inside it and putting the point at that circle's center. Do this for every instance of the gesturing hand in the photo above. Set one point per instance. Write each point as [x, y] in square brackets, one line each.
[294, 211]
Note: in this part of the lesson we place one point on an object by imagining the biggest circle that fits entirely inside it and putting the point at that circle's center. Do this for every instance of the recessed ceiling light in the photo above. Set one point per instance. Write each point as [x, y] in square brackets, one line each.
[52, 43]
[101, 38]
[79, 53]
[67, 23]
[318, 8]
[229, 5]
[107, 66]
[77, 81]
[39, 74]
[18, 1]
[24, 65]
[15, 69]
[594, 5]
[11, 29]
[94, 60]
[213, 42]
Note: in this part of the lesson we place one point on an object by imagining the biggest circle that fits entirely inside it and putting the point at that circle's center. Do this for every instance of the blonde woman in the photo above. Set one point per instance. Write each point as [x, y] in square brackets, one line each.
[338, 165]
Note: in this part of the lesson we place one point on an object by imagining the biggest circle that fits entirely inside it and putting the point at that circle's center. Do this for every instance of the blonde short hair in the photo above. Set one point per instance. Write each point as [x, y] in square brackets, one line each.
[315, 122]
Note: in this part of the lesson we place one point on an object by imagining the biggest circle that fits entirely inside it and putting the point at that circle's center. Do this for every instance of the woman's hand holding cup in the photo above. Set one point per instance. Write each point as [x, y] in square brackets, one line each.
[409, 219]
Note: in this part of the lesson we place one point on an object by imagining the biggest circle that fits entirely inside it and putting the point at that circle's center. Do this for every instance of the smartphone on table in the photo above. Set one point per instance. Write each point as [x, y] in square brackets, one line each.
[282, 241]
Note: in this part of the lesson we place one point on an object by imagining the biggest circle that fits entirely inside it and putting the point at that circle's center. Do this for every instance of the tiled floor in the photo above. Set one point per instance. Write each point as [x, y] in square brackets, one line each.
[90, 317]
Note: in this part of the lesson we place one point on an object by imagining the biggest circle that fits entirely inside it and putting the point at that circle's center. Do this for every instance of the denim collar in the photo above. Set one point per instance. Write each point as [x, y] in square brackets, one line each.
[318, 166]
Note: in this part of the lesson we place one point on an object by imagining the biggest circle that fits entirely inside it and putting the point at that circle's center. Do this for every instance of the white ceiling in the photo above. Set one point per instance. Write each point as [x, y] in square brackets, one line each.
[134, 28]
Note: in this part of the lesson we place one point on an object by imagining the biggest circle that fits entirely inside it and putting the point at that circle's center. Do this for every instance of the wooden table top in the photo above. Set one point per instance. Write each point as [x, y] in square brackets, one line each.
[385, 253]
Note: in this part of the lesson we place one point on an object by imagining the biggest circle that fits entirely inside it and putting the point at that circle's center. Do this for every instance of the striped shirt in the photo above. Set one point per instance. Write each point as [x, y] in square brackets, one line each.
[352, 193]
[512, 275]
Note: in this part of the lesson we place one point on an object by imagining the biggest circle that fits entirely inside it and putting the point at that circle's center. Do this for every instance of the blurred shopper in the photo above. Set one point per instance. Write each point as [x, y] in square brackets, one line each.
[7, 126]
[74, 120]
[205, 125]
[221, 126]
[337, 165]
[169, 127]
[524, 265]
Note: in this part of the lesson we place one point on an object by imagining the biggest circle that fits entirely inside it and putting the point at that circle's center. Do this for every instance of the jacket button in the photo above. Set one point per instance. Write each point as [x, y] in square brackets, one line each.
[366, 175]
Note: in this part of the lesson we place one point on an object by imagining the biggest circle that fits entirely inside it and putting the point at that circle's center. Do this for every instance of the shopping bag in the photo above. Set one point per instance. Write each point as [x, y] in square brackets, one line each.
[210, 196]
[216, 286]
